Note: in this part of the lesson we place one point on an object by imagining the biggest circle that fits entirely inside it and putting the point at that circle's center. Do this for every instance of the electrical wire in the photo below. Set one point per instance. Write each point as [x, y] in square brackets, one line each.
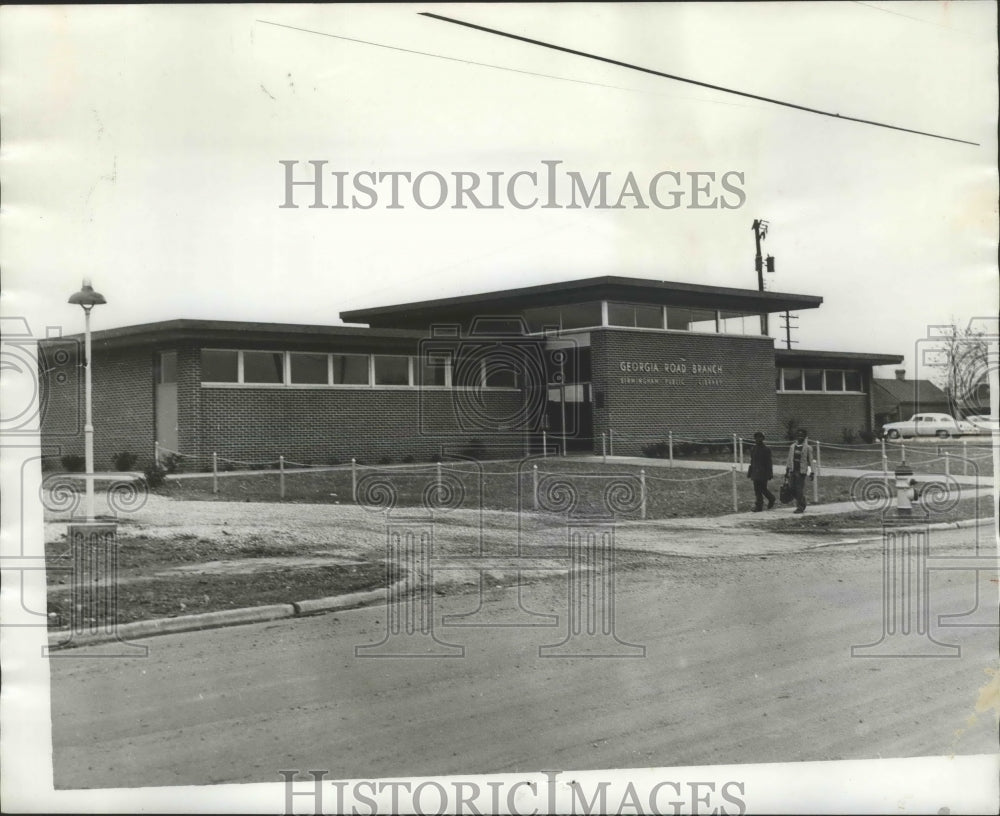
[441, 56]
[700, 84]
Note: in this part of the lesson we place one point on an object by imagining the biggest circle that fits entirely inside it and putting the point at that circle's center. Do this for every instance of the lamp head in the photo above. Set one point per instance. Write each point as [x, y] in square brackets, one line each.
[87, 297]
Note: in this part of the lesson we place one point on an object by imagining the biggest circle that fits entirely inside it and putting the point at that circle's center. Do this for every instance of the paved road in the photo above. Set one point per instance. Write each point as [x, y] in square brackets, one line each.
[747, 659]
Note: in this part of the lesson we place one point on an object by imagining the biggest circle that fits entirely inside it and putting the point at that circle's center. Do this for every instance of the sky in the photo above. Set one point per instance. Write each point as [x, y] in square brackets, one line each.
[142, 148]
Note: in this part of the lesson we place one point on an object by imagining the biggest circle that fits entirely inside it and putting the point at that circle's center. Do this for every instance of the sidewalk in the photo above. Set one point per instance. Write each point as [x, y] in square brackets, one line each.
[824, 470]
[310, 525]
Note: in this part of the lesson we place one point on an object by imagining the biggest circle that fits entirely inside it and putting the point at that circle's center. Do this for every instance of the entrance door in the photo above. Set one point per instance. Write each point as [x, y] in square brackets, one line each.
[570, 417]
[166, 400]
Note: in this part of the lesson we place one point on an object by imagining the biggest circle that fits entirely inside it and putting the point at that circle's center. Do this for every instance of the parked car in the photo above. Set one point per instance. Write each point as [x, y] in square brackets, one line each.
[939, 425]
[981, 424]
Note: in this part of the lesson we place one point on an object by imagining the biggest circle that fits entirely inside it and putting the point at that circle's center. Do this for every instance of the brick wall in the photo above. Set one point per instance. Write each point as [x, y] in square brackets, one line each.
[123, 410]
[60, 398]
[321, 426]
[257, 424]
[825, 416]
[643, 406]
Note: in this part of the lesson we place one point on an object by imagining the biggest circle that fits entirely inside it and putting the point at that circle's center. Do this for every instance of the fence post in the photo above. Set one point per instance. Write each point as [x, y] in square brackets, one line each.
[545, 445]
[735, 504]
[741, 451]
[604, 445]
[439, 487]
[734, 450]
[670, 442]
[215, 472]
[642, 492]
[534, 485]
[354, 480]
[965, 458]
[902, 451]
[611, 441]
[156, 452]
[281, 475]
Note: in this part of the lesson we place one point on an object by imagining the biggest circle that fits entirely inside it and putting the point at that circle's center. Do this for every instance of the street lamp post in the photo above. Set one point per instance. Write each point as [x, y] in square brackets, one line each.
[93, 614]
[87, 298]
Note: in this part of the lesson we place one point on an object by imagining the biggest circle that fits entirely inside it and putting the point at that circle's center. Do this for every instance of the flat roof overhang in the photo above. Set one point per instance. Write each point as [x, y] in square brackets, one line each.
[818, 359]
[608, 287]
[175, 332]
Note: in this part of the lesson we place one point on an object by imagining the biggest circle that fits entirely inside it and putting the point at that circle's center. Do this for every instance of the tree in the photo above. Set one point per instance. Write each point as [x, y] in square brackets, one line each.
[967, 357]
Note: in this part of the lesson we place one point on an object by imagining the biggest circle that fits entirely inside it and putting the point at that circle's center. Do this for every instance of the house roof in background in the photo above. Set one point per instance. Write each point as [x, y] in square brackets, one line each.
[895, 391]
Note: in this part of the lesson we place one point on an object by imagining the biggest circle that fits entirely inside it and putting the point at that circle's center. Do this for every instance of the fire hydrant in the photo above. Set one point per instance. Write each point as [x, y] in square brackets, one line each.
[905, 490]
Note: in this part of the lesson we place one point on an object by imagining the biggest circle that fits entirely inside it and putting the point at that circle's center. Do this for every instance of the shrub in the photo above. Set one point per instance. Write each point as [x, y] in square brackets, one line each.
[409, 459]
[686, 448]
[385, 460]
[791, 428]
[73, 463]
[848, 435]
[169, 462]
[125, 460]
[156, 476]
[475, 450]
[867, 436]
[656, 450]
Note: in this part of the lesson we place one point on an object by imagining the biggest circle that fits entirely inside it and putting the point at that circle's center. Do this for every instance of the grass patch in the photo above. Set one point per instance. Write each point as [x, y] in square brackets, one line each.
[142, 553]
[164, 597]
[923, 455]
[675, 492]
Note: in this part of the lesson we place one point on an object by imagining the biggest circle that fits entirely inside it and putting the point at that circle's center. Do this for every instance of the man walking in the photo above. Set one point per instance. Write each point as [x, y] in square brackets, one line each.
[761, 472]
[798, 467]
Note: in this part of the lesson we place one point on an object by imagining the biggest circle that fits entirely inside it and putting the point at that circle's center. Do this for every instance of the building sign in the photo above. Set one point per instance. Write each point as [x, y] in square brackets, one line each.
[670, 372]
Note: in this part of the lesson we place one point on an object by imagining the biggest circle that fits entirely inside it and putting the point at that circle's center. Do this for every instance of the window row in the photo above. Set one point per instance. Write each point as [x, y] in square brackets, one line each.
[817, 379]
[641, 316]
[318, 368]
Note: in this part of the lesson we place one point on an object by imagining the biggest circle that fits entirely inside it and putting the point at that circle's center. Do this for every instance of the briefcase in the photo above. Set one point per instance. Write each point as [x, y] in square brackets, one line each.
[786, 494]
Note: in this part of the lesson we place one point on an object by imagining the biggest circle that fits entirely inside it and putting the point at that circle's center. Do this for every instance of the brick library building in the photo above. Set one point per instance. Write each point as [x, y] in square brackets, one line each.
[576, 366]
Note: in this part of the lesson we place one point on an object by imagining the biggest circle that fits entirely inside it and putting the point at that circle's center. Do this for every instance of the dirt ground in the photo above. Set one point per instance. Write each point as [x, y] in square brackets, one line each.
[740, 645]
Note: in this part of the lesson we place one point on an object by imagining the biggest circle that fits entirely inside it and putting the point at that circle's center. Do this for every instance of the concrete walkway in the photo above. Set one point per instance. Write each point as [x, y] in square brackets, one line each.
[824, 470]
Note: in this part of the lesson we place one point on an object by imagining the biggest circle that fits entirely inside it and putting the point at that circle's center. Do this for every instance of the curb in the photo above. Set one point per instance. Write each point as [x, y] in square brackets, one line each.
[938, 525]
[348, 601]
[226, 617]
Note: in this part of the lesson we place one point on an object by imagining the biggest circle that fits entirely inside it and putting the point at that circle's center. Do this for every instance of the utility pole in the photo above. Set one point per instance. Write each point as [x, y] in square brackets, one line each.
[759, 233]
[788, 328]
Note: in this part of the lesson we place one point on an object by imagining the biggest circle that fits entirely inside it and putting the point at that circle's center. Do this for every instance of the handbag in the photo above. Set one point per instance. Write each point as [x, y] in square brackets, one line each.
[786, 494]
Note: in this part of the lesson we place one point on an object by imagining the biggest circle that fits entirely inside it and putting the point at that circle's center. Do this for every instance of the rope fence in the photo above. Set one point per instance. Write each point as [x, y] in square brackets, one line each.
[674, 447]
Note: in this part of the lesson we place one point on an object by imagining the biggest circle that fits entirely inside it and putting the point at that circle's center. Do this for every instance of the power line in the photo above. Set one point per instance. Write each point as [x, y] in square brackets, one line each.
[490, 65]
[440, 56]
[622, 64]
[948, 28]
